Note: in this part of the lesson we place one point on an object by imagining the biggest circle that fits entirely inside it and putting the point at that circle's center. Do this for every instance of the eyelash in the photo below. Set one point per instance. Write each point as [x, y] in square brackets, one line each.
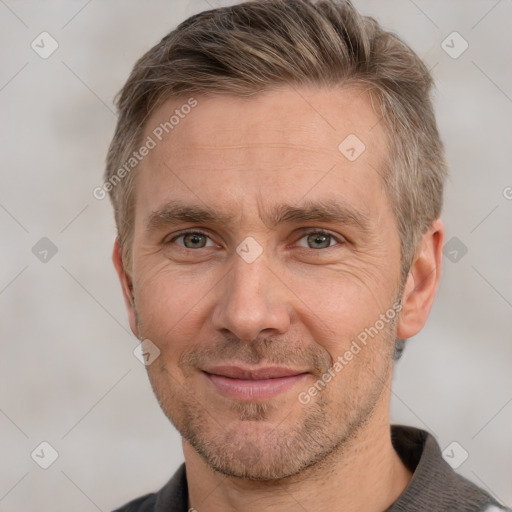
[339, 239]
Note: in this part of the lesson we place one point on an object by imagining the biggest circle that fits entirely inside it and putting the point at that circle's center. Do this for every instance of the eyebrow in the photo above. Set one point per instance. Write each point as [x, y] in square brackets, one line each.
[319, 211]
[176, 212]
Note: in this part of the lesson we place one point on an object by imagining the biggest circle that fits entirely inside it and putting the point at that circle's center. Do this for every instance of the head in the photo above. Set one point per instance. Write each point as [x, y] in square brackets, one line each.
[295, 142]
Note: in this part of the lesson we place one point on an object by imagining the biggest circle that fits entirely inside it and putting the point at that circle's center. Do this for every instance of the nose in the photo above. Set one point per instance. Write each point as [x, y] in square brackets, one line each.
[252, 301]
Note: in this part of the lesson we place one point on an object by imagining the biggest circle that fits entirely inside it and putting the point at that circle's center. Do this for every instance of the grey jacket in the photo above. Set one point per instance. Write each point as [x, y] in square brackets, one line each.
[434, 486]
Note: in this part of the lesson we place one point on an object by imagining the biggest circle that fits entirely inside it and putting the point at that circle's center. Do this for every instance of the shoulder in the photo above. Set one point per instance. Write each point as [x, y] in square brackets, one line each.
[434, 484]
[143, 504]
[172, 497]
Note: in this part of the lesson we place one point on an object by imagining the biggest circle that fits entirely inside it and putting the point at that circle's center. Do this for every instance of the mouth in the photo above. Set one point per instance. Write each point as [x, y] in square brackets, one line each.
[253, 384]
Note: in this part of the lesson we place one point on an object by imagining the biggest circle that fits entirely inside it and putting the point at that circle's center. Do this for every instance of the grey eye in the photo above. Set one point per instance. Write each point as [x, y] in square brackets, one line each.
[317, 240]
[193, 240]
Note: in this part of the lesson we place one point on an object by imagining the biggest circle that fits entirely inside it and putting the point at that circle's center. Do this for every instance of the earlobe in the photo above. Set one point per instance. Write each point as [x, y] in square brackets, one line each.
[422, 282]
[126, 285]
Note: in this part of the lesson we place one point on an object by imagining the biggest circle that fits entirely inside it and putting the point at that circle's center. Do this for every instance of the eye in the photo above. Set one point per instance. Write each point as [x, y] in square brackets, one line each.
[193, 240]
[317, 240]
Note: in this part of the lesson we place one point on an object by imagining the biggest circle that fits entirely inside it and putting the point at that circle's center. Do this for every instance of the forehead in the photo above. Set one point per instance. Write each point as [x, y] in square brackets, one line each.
[297, 116]
[286, 142]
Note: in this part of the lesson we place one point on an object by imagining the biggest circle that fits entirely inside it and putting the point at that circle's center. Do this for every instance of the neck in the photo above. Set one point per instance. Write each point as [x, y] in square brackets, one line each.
[365, 474]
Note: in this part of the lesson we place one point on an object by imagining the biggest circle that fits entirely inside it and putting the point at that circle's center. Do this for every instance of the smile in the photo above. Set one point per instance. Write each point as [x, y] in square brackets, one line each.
[246, 385]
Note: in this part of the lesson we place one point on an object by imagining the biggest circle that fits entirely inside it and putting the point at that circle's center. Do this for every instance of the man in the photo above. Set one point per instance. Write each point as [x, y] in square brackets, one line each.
[277, 176]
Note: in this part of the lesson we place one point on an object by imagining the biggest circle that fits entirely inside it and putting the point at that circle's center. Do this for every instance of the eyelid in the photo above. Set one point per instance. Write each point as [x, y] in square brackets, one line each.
[175, 236]
[304, 232]
[340, 239]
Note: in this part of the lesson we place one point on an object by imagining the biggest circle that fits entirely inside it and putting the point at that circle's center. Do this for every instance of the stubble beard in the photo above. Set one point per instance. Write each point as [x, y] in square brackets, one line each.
[260, 445]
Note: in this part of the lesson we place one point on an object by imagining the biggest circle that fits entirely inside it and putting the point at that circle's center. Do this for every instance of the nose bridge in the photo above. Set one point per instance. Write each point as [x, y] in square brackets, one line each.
[246, 281]
[251, 300]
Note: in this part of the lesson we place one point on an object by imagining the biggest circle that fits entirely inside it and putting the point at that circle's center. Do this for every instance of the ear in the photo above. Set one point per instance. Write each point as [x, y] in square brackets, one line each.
[422, 282]
[126, 285]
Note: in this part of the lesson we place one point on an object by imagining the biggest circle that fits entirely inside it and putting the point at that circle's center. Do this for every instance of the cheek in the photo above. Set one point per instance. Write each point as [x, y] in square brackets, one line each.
[361, 361]
[170, 307]
[343, 313]
[343, 299]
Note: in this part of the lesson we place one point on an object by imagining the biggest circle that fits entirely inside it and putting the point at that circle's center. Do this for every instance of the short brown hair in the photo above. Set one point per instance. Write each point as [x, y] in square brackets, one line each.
[258, 45]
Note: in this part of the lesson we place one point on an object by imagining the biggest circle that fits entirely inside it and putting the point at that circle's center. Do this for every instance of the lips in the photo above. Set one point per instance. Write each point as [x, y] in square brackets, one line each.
[239, 383]
[270, 372]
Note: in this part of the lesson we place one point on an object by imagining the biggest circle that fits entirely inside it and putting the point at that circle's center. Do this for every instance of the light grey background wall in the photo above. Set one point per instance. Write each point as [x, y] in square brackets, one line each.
[68, 376]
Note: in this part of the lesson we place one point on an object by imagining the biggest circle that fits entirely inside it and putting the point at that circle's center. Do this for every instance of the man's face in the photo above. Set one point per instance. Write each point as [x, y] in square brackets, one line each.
[257, 244]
